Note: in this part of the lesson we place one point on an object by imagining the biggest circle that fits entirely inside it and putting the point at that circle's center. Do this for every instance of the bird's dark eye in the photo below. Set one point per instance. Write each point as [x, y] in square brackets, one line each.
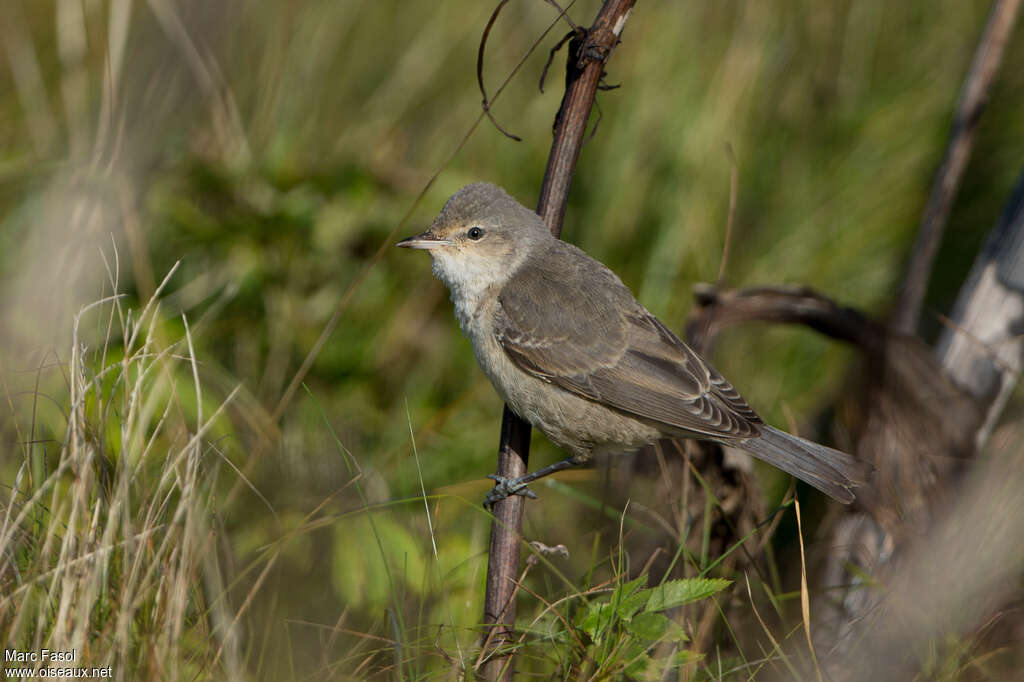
[475, 233]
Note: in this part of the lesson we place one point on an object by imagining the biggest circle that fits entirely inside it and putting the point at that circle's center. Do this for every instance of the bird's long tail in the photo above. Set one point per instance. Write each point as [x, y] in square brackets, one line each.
[833, 472]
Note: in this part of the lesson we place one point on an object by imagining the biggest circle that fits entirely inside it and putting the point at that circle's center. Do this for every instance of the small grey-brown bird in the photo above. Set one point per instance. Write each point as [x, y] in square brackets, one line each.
[570, 350]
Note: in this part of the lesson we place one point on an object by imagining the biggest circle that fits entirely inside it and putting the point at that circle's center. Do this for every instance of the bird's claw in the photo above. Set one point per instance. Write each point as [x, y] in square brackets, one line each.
[504, 487]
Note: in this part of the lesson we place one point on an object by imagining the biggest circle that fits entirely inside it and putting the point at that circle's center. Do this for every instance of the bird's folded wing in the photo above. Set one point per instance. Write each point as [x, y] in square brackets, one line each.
[582, 330]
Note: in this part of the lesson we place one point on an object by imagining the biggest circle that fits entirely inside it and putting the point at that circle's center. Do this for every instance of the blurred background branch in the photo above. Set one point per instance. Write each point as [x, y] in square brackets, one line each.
[974, 95]
[925, 416]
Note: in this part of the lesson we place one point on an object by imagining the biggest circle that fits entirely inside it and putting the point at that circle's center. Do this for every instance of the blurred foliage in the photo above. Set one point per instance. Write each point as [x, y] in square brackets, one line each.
[276, 151]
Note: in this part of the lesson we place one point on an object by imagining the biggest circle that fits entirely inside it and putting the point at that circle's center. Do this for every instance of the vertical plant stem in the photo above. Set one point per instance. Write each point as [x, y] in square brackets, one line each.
[587, 55]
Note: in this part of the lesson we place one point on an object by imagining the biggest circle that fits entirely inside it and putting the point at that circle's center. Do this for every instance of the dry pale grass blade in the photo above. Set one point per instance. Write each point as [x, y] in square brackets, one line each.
[110, 552]
[805, 599]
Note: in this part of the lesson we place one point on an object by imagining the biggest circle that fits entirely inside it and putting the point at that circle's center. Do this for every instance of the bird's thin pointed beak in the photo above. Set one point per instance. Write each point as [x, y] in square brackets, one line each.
[425, 240]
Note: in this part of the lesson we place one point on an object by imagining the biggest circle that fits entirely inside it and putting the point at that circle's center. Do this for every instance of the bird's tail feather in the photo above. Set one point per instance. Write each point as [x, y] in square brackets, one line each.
[833, 472]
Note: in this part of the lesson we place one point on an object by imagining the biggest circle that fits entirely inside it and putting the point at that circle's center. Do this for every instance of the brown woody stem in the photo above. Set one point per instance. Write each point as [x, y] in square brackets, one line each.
[585, 67]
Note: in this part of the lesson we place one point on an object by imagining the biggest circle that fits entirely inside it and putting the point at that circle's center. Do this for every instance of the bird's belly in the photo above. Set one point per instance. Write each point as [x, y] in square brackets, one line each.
[579, 425]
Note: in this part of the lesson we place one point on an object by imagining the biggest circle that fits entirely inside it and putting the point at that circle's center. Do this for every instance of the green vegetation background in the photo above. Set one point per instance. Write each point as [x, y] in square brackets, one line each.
[278, 149]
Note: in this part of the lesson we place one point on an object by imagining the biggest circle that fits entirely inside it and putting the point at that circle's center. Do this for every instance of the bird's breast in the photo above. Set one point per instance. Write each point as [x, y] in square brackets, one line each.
[473, 310]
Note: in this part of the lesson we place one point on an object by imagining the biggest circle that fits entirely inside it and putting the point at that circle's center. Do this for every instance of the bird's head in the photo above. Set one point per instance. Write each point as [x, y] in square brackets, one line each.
[480, 237]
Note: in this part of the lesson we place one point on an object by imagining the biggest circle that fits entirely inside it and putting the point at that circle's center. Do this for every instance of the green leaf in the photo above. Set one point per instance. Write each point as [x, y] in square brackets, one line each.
[629, 597]
[675, 633]
[674, 593]
[628, 607]
[650, 626]
[637, 666]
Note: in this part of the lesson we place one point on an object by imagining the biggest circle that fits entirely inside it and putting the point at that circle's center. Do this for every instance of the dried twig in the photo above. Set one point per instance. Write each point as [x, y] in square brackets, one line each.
[585, 68]
[480, 71]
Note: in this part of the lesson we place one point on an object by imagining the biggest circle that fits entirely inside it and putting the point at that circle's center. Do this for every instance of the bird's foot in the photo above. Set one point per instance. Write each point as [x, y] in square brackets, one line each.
[504, 487]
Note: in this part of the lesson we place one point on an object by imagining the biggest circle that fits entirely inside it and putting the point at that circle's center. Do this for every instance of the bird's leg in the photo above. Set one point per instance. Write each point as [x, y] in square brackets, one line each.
[517, 486]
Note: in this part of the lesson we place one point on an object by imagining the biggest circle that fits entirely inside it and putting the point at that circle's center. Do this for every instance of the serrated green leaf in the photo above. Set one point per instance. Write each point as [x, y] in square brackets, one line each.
[650, 626]
[628, 607]
[674, 593]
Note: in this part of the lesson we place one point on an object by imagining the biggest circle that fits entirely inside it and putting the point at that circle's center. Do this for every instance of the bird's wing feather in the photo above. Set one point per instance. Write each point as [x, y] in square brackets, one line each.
[611, 350]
